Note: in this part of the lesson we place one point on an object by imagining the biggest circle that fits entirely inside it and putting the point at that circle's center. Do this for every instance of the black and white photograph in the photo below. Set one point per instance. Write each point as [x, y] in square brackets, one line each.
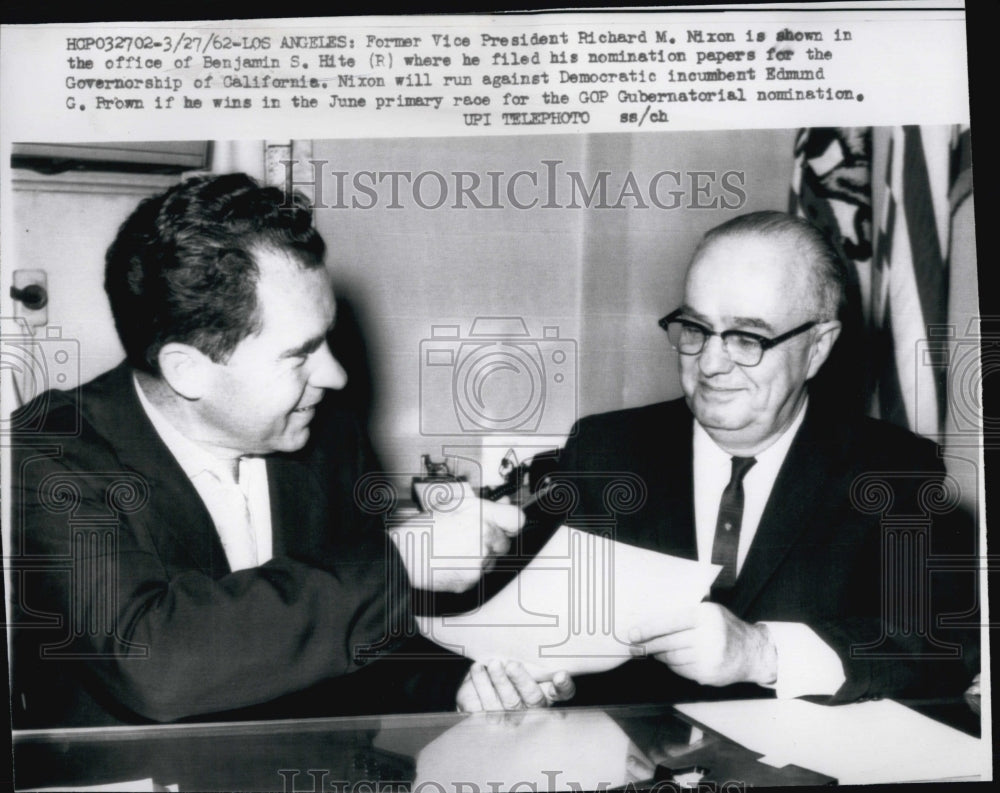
[570, 439]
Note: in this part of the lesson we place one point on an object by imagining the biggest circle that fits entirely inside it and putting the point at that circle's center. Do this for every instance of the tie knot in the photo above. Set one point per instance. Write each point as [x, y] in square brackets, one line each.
[740, 467]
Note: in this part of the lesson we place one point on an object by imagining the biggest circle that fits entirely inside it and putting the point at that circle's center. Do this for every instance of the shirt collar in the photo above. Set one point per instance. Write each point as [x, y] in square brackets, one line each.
[192, 457]
[770, 458]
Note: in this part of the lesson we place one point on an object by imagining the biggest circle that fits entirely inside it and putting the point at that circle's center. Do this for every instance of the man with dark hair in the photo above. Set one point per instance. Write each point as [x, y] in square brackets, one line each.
[192, 550]
[183, 268]
[822, 522]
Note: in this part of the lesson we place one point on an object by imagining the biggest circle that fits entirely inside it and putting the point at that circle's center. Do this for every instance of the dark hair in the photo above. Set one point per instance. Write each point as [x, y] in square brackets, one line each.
[828, 272]
[182, 266]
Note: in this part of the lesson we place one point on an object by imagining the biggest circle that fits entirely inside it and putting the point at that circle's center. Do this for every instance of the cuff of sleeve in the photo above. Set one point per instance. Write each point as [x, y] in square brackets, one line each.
[807, 666]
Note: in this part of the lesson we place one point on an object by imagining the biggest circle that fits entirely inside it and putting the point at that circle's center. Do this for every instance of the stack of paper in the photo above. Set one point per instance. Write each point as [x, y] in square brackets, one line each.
[572, 606]
[864, 743]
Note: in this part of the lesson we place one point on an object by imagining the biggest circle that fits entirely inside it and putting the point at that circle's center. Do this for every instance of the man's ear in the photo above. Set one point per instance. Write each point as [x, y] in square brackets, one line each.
[185, 369]
[827, 334]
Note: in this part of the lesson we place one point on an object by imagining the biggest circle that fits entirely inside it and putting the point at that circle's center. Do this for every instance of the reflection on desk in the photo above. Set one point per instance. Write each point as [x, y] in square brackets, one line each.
[559, 749]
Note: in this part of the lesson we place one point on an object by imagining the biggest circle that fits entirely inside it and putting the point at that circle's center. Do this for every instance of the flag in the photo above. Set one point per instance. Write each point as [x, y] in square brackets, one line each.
[924, 173]
[887, 197]
[831, 187]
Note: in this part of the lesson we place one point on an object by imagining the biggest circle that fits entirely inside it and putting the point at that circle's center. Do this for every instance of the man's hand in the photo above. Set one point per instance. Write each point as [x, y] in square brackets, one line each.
[449, 549]
[508, 686]
[973, 696]
[710, 645]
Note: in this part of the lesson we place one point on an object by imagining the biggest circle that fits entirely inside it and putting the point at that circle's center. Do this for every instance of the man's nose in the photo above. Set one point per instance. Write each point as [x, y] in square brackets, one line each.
[326, 370]
[713, 358]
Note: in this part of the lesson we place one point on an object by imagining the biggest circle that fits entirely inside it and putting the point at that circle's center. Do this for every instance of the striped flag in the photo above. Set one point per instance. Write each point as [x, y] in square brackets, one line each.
[916, 179]
[922, 173]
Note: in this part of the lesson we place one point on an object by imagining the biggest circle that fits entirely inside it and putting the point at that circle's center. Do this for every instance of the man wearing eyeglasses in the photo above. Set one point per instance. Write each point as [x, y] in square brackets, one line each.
[750, 471]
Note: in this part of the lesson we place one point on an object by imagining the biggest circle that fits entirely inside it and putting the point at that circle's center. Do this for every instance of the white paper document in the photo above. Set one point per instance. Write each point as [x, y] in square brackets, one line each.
[863, 743]
[572, 606]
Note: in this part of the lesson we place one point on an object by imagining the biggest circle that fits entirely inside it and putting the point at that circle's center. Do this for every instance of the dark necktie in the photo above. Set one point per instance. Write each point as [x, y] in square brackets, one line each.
[727, 527]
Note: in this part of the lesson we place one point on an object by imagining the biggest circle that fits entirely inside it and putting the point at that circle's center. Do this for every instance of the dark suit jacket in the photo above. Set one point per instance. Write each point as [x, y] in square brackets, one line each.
[848, 538]
[124, 605]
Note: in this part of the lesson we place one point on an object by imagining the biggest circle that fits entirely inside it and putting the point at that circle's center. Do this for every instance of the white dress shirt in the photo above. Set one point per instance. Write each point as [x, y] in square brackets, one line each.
[806, 664]
[240, 507]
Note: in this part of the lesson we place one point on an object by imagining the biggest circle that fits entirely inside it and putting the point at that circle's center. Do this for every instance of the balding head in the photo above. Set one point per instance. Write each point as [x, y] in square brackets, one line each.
[760, 277]
[803, 241]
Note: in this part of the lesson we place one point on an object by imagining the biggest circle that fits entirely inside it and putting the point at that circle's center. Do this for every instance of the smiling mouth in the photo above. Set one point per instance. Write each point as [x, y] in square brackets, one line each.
[719, 389]
[715, 394]
[306, 409]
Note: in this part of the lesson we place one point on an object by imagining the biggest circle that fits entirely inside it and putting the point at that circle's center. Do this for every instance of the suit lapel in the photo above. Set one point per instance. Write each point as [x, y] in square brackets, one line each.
[298, 502]
[660, 454]
[797, 494]
[175, 517]
[677, 485]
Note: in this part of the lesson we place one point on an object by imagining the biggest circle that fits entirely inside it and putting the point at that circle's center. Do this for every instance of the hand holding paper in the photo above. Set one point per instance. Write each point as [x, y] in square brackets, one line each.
[449, 550]
[571, 607]
[708, 644]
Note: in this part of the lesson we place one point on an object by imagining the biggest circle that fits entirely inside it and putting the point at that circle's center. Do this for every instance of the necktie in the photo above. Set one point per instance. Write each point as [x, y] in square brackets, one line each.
[231, 513]
[727, 527]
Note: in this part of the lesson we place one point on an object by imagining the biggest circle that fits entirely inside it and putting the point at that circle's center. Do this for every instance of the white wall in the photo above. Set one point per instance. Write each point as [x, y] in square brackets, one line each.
[63, 225]
[603, 276]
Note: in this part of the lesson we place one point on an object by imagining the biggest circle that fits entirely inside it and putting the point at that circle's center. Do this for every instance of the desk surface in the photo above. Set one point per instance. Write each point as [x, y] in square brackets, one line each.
[559, 749]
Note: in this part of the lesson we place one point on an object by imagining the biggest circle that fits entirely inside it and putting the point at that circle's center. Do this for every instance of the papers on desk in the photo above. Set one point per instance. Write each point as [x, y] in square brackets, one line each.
[573, 604]
[863, 743]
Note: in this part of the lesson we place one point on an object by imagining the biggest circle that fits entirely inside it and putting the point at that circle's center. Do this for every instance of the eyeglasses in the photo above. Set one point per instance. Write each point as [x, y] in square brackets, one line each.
[742, 347]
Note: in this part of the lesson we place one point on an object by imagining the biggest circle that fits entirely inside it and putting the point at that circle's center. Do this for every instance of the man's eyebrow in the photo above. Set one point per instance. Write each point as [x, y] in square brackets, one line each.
[306, 348]
[738, 322]
[686, 311]
[753, 322]
[309, 346]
